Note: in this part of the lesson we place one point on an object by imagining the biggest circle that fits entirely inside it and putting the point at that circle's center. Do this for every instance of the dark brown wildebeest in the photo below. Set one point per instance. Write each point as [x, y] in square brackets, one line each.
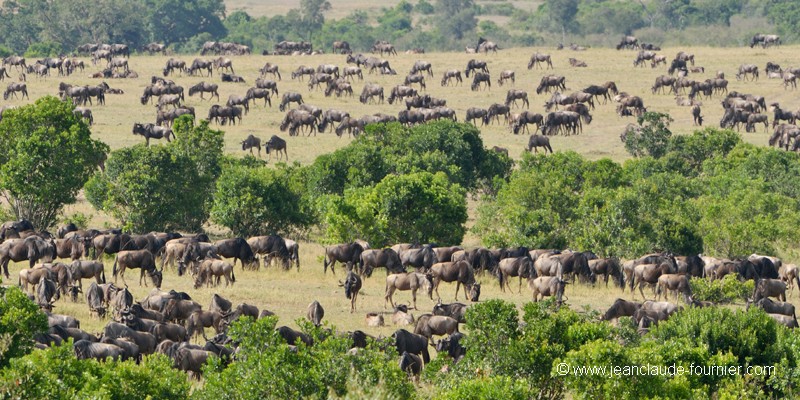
[774, 307]
[269, 247]
[429, 325]
[421, 258]
[329, 117]
[383, 47]
[474, 113]
[344, 253]
[200, 319]
[172, 65]
[154, 47]
[267, 84]
[238, 249]
[745, 70]
[744, 268]
[205, 87]
[350, 71]
[72, 247]
[547, 286]
[525, 118]
[538, 58]
[250, 143]
[352, 285]
[259, 93]
[270, 68]
[371, 90]
[408, 281]
[475, 65]
[495, 111]
[662, 82]
[698, 119]
[86, 270]
[31, 248]
[415, 78]
[237, 100]
[539, 141]
[411, 364]
[460, 272]
[457, 311]
[85, 349]
[621, 308]
[405, 341]
[648, 274]
[628, 42]
[451, 74]
[142, 259]
[315, 313]
[302, 71]
[769, 288]
[277, 145]
[607, 267]
[290, 97]
[400, 92]
[375, 258]
[514, 266]
[481, 77]
[16, 61]
[145, 341]
[342, 46]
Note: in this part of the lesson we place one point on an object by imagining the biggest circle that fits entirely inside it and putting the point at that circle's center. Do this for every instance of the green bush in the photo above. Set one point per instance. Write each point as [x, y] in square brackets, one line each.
[726, 290]
[20, 320]
[43, 49]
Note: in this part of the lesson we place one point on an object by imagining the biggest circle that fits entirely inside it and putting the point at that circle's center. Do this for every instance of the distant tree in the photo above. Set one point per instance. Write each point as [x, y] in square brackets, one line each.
[563, 13]
[455, 18]
[313, 14]
[46, 156]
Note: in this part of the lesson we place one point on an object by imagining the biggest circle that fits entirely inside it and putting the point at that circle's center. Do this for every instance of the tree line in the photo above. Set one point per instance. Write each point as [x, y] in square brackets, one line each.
[40, 28]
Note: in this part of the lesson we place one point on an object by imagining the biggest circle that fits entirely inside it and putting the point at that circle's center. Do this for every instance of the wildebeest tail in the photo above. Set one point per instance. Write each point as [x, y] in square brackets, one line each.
[233, 275]
[103, 275]
[499, 274]
[114, 268]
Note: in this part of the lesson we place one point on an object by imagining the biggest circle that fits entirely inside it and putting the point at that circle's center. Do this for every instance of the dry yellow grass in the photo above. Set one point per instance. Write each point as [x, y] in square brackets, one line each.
[288, 293]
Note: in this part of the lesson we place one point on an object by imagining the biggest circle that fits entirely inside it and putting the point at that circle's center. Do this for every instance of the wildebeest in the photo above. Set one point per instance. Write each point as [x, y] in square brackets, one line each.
[765, 40]
[405, 341]
[15, 87]
[769, 288]
[152, 131]
[371, 90]
[678, 283]
[376, 258]
[747, 69]
[142, 259]
[237, 100]
[459, 271]
[450, 75]
[551, 81]
[290, 97]
[291, 336]
[478, 78]
[84, 113]
[315, 313]
[198, 65]
[85, 349]
[515, 266]
[456, 311]
[538, 58]
[344, 253]
[31, 248]
[352, 285]
[420, 66]
[211, 268]
[620, 308]
[238, 249]
[342, 46]
[86, 269]
[204, 87]
[452, 346]
[250, 143]
[607, 267]
[475, 65]
[408, 281]
[628, 42]
[400, 92]
[429, 325]
[547, 286]
[515, 94]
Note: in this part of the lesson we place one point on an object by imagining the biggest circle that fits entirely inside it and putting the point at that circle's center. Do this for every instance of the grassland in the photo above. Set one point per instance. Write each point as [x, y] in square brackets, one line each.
[288, 293]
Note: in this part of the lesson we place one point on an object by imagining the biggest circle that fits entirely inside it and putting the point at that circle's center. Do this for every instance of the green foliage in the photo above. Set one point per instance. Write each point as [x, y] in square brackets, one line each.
[36, 140]
[267, 368]
[43, 49]
[254, 201]
[726, 290]
[56, 373]
[78, 218]
[418, 207]
[20, 319]
[495, 387]
[652, 137]
[161, 188]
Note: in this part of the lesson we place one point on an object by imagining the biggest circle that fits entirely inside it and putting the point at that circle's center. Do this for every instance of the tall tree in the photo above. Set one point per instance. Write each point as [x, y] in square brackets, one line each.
[46, 155]
[563, 13]
[312, 12]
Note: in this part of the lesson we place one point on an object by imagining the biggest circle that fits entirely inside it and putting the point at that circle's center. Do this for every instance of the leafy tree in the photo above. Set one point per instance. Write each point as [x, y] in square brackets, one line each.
[652, 137]
[455, 18]
[166, 187]
[175, 21]
[47, 155]
[418, 207]
[312, 12]
[254, 201]
[563, 13]
[20, 319]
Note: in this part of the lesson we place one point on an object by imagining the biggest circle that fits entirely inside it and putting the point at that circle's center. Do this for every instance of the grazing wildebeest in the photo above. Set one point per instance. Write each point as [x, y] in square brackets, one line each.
[142, 259]
[769, 288]
[415, 78]
[85, 349]
[765, 40]
[621, 308]
[198, 65]
[506, 75]
[451, 74]
[525, 118]
[329, 117]
[31, 248]
[172, 65]
[678, 283]
[371, 90]
[607, 267]
[290, 97]
[211, 268]
[236, 100]
[15, 87]
[250, 143]
[538, 58]
[628, 42]
[342, 46]
[459, 271]
[648, 274]
[515, 94]
[547, 286]
[481, 77]
[408, 281]
[474, 113]
[452, 346]
[344, 253]
[401, 92]
[475, 65]
[539, 141]
[204, 87]
[420, 66]
[350, 71]
[745, 70]
[514, 266]
[551, 81]
[495, 111]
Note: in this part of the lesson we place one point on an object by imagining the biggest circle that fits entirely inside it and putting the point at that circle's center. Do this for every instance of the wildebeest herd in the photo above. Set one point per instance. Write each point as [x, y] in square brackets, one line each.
[171, 318]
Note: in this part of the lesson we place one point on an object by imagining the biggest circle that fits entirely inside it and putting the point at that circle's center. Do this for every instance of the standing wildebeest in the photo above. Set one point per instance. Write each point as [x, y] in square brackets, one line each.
[607, 267]
[551, 81]
[628, 42]
[86, 270]
[765, 40]
[259, 93]
[270, 68]
[31, 248]
[474, 113]
[329, 117]
[315, 313]
[678, 283]
[769, 288]
[408, 281]
[290, 97]
[342, 46]
[515, 94]
[514, 266]
[85, 349]
[371, 90]
[153, 47]
[475, 65]
[15, 87]
[547, 286]
[352, 285]
[621, 308]
[506, 75]
[272, 246]
[405, 341]
[267, 84]
[648, 274]
[481, 77]
[429, 325]
[142, 259]
[375, 258]
[451, 74]
[277, 145]
[350, 71]
[495, 111]
[400, 92]
[525, 118]
[250, 143]
[211, 268]
[172, 65]
[16, 61]
[152, 131]
[415, 78]
[420, 66]
[538, 58]
[344, 253]
[238, 249]
[747, 69]
[204, 87]
[421, 258]
[459, 271]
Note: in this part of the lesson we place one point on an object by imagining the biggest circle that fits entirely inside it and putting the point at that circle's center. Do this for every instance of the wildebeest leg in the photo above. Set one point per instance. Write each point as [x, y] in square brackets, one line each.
[436, 288]
[141, 277]
[413, 296]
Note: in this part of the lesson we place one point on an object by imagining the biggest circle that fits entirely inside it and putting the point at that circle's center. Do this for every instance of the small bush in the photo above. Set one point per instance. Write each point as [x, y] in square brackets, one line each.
[726, 290]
